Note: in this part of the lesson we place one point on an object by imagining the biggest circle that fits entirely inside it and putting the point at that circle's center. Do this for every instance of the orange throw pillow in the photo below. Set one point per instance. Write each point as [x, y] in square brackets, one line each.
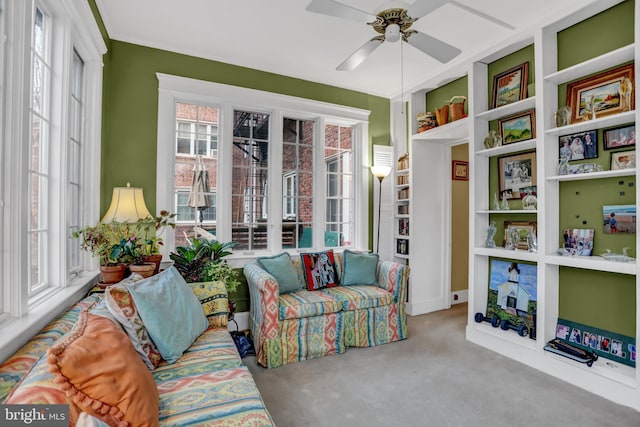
[101, 372]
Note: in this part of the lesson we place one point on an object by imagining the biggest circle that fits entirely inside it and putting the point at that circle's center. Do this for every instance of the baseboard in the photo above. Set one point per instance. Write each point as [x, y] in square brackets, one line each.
[423, 307]
[242, 319]
[458, 297]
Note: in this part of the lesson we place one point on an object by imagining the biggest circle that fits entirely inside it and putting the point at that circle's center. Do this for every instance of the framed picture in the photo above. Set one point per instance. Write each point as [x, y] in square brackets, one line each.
[519, 127]
[579, 146]
[510, 86]
[619, 219]
[623, 160]
[578, 241]
[623, 136]
[522, 228]
[515, 172]
[610, 92]
[460, 170]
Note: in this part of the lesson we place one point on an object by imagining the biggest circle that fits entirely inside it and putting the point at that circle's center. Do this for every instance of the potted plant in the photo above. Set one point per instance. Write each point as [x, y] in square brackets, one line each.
[105, 242]
[134, 249]
[153, 241]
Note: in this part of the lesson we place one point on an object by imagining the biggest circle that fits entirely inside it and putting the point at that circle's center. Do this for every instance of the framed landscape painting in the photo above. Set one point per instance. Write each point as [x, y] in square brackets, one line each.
[519, 127]
[510, 86]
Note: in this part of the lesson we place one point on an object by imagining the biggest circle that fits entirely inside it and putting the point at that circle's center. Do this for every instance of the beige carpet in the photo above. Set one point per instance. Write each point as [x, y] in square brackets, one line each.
[434, 378]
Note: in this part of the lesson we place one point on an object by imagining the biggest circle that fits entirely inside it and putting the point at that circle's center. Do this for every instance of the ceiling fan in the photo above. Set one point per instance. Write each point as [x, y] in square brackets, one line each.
[393, 23]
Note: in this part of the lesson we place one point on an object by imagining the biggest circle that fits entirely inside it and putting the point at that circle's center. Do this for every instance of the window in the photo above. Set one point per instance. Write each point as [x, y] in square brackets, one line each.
[51, 128]
[297, 183]
[314, 152]
[74, 163]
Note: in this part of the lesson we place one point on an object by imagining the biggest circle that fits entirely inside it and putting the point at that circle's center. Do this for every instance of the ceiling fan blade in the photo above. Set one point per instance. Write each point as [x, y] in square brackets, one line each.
[438, 49]
[333, 8]
[420, 8]
[482, 15]
[359, 55]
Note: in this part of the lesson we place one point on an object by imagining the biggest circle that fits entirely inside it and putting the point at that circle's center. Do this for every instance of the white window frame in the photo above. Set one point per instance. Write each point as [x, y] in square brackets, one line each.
[73, 27]
[174, 89]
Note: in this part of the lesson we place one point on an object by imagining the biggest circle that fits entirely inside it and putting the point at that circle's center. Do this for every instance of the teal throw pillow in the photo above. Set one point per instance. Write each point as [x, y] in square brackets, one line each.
[170, 311]
[359, 268]
[281, 267]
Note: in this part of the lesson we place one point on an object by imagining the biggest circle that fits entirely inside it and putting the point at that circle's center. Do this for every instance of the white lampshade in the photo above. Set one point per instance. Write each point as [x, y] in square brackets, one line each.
[127, 205]
[380, 171]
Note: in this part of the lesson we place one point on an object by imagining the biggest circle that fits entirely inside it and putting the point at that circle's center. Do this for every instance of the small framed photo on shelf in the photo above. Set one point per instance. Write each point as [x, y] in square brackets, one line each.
[623, 160]
[510, 85]
[619, 219]
[623, 136]
[460, 170]
[579, 146]
[519, 127]
[578, 241]
[522, 228]
[516, 172]
[607, 93]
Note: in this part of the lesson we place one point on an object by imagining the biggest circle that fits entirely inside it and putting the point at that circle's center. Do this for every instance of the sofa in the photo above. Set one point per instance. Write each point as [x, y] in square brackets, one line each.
[299, 323]
[206, 384]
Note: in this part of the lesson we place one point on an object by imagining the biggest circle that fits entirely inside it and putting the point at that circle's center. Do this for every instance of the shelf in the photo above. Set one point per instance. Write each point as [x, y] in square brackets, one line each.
[450, 132]
[401, 186]
[507, 110]
[403, 200]
[592, 263]
[603, 122]
[594, 175]
[507, 149]
[402, 172]
[604, 367]
[510, 211]
[510, 336]
[506, 253]
[402, 237]
[403, 216]
[599, 63]
[403, 256]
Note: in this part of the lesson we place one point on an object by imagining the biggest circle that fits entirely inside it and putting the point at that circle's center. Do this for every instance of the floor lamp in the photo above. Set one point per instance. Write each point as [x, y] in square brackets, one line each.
[380, 172]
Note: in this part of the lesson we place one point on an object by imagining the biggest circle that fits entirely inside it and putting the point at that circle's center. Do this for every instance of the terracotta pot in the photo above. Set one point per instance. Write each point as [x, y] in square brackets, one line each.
[112, 273]
[155, 259]
[145, 270]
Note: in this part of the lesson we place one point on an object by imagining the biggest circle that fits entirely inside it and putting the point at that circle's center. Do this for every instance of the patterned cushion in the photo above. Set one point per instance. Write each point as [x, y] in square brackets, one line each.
[114, 386]
[357, 297]
[319, 270]
[214, 301]
[296, 305]
[121, 306]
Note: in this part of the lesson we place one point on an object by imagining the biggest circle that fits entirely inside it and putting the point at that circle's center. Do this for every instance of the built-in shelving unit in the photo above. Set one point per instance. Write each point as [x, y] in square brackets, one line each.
[401, 208]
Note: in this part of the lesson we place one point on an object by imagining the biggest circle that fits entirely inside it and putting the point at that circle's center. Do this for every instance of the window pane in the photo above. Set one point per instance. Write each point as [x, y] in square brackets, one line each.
[339, 181]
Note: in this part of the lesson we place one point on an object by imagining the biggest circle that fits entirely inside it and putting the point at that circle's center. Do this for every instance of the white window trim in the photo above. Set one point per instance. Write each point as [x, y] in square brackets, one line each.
[174, 89]
[74, 27]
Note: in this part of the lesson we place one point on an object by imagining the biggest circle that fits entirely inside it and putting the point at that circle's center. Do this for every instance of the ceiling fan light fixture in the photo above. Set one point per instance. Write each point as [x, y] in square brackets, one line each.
[392, 33]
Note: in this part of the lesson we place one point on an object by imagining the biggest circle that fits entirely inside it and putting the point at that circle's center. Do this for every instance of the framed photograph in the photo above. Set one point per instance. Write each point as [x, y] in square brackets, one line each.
[623, 136]
[610, 92]
[515, 172]
[619, 219]
[460, 170]
[519, 127]
[623, 160]
[523, 228]
[579, 146]
[510, 86]
[578, 241]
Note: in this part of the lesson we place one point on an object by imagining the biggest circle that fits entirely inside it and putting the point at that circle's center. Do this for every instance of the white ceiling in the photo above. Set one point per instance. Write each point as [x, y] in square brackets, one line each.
[280, 36]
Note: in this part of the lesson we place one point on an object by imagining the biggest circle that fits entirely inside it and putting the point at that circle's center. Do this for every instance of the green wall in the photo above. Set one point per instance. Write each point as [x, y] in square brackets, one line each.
[514, 59]
[439, 97]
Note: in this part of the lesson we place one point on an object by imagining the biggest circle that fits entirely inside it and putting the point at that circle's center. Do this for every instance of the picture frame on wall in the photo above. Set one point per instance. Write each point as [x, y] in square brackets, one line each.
[515, 172]
[510, 85]
[619, 219]
[578, 241]
[579, 146]
[518, 127]
[459, 170]
[623, 160]
[622, 136]
[610, 92]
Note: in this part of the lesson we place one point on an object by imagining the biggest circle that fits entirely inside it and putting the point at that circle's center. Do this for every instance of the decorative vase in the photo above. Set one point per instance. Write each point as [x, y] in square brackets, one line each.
[442, 115]
[112, 273]
[145, 269]
[155, 259]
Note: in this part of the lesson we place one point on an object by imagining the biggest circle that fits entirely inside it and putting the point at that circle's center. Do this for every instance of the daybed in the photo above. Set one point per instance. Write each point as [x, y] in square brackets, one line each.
[367, 308]
[206, 385]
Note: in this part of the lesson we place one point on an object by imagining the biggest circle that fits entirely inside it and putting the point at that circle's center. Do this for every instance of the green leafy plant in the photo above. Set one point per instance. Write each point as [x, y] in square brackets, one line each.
[106, 241]
[152, 227]
[222, 271]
